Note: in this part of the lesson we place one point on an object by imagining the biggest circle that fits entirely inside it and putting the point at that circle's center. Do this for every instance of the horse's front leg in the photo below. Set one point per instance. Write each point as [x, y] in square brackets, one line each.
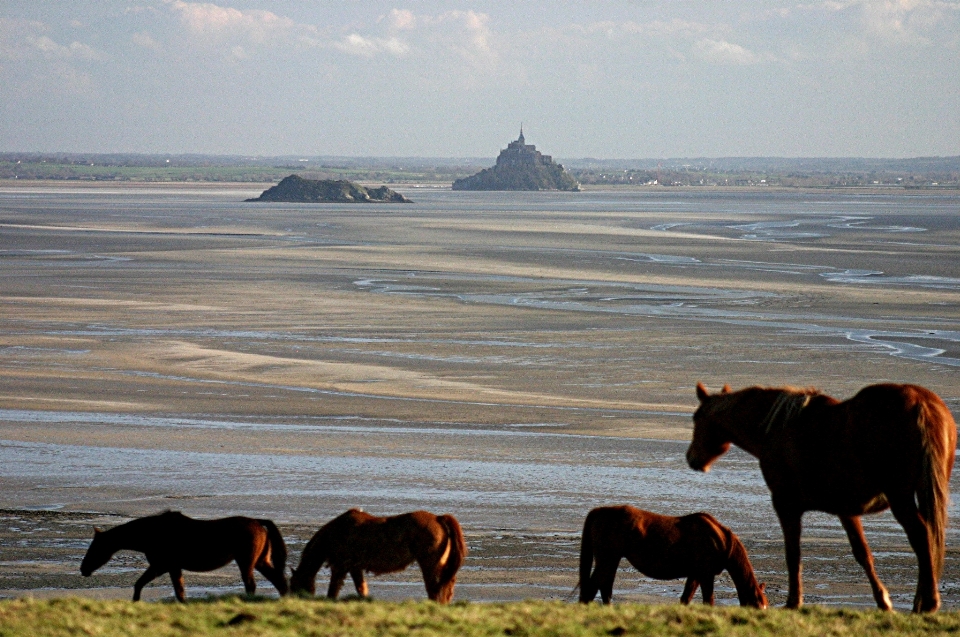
[689, 589]
[790, 522]
[861, 551]
[359, 583]
[337, 576]
[152, 573]
[904, 508]
[176, 578]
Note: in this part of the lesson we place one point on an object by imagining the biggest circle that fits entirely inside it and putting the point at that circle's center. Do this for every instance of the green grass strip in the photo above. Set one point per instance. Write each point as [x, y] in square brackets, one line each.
[303, 617]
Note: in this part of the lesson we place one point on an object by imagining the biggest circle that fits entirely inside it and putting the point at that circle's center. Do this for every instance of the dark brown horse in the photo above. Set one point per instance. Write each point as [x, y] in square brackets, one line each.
[173, 543]
[355, 542]
[888, 446]
[694, 546]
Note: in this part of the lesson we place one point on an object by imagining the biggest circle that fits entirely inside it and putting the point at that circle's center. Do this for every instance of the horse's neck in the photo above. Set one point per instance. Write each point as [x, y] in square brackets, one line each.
[133, 536]
[314, 555]
[771, 413]
[741, 572]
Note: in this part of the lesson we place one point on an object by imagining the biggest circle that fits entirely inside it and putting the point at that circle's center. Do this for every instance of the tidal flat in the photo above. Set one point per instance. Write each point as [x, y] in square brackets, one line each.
[512, 358]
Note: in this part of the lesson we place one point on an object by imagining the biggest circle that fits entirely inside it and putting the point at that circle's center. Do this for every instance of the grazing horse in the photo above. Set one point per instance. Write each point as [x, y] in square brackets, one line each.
[888, 446]
[694, 546]
[356, 541]
[173, 543]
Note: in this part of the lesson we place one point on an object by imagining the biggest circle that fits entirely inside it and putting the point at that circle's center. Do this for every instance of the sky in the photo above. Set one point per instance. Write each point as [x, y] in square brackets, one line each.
[592, 78]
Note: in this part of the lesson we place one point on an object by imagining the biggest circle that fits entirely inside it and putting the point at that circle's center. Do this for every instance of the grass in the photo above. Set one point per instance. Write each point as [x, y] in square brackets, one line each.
[292, 616]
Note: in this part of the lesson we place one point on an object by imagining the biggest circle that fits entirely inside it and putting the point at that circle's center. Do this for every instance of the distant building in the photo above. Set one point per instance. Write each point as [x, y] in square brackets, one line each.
[520, 166]
[520, 152]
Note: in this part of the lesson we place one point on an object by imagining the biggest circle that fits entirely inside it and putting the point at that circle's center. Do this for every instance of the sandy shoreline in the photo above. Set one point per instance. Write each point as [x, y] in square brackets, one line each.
[513, 358]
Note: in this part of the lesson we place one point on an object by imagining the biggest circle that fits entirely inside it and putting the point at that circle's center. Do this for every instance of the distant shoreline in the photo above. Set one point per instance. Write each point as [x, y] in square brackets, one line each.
[93, 184]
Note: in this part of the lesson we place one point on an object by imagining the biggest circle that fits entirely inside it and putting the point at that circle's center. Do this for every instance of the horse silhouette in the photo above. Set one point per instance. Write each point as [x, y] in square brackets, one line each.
[693, 546]
[356, 541]
[890, 446]
[173, 543]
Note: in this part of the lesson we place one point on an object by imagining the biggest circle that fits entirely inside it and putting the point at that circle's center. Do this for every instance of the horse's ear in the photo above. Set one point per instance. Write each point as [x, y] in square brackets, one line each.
[97, 531]
[726, 389]
[702, 392]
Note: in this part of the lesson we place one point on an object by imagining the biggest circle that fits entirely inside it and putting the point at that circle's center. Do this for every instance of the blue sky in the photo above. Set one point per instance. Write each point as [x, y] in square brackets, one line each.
[603, 78]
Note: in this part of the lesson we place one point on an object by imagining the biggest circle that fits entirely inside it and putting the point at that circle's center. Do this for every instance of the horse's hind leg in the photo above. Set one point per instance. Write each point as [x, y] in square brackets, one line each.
[431, 577]
[359, 583]
[861, 551]
[246, 574]
[152, 573]
[689, 590]
[604, 575]
[904, 509]
[176, 577]
[706, 589]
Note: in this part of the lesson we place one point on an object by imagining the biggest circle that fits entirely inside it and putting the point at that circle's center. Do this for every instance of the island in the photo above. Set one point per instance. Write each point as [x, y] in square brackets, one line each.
[520, 166]
[296, 189]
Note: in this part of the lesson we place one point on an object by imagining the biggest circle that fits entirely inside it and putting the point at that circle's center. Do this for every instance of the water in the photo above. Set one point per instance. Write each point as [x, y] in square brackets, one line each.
[514, 358]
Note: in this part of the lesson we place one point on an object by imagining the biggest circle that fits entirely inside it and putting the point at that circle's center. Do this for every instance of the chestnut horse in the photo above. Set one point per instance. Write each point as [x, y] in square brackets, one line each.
[694, 546]
[173, 543]
[888, 446]
[356, 541]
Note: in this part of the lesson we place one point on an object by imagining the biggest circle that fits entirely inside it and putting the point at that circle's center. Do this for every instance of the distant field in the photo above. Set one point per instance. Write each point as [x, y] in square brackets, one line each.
[236, 616]
[260, 174]
[939, 173]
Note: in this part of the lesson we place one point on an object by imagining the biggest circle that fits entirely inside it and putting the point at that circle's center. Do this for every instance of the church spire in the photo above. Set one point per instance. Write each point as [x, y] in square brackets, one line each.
[520, 139]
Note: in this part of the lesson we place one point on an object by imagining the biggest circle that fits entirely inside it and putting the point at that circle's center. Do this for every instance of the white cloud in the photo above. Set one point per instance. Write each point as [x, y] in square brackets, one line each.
[723, 52]
[211, 20]
[356, 44]
[22, 39]
[402, 20]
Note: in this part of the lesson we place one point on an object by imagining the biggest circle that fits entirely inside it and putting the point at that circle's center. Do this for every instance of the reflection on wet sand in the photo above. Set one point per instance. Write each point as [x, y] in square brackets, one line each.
[515, 359]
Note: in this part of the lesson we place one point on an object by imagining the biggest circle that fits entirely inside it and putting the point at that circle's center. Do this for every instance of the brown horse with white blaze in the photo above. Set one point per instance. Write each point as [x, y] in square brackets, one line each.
[890, 446]
[356, 541]
[693, 546]
[173, 543]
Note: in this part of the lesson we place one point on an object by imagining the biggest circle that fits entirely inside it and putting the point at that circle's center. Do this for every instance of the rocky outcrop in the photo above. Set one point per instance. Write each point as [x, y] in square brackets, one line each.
[296, 189]
[520, 166]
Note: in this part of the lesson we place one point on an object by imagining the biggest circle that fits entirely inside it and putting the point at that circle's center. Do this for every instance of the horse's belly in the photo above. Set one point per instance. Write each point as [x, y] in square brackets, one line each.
[206, 563]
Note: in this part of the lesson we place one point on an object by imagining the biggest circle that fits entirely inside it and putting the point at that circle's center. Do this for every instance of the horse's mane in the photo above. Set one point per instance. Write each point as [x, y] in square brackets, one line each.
[788, 404]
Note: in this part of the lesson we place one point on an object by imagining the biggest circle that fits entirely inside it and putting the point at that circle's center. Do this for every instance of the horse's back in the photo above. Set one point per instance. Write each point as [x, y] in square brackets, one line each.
[893, 419]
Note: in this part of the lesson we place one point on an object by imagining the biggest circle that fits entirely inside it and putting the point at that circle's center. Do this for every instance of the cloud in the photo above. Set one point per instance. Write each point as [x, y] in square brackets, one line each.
[27, 39]
[899, 22]
[402, 20]
[356, 44]
[213, 21]
[145, 40]
[723, 52]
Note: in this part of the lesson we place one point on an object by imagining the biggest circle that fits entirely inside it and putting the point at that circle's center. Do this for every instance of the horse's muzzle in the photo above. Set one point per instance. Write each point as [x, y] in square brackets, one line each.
[697, 464]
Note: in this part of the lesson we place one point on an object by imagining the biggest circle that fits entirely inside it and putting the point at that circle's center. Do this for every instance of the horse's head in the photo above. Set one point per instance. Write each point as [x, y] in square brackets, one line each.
[97, 555]
[758, 597]
[301, 583]
[710, 441]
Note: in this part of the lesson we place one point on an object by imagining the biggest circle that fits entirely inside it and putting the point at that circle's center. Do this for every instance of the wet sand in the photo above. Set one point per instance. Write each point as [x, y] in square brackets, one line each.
[513, 358]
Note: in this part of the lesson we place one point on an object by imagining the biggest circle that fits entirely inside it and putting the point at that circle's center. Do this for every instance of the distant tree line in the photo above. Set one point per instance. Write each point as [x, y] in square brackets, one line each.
[922, 172]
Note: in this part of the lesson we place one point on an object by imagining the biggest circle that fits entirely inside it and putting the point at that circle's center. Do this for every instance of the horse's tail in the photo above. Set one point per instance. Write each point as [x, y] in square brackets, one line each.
[586, 560]
[458, 551]
[278, 548]
[939, 439]
[749, 591]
